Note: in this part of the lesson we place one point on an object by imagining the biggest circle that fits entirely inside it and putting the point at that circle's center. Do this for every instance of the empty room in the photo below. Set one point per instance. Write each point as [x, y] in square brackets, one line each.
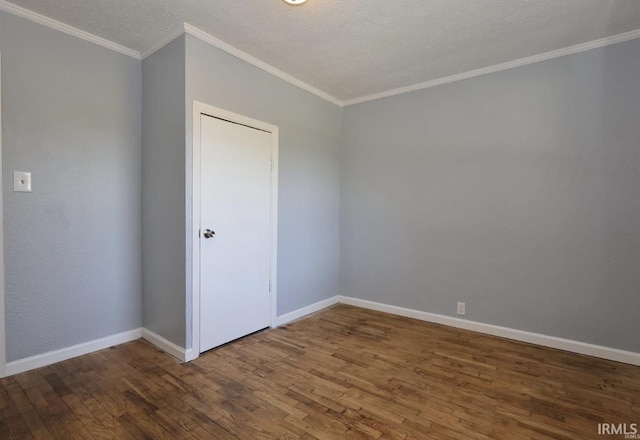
[320, 219]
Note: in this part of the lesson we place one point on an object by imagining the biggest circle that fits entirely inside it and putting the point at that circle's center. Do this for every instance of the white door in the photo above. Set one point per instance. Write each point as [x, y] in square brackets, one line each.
[235, 238]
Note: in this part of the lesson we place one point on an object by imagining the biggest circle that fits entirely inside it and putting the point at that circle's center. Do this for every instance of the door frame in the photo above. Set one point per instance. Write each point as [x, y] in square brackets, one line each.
[200, 108]
[3, 358]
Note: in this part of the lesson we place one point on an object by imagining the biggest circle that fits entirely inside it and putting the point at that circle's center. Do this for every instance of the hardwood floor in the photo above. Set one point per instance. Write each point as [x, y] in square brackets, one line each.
[342, 373]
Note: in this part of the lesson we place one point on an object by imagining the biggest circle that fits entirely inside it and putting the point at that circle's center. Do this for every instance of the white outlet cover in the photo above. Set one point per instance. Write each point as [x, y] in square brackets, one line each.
[21, 181]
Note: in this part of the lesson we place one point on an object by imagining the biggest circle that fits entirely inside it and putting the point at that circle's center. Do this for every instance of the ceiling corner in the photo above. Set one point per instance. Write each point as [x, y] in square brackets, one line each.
[65, 28]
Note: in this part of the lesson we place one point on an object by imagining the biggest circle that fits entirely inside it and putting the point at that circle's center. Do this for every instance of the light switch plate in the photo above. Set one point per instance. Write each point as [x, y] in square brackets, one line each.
[21, 181]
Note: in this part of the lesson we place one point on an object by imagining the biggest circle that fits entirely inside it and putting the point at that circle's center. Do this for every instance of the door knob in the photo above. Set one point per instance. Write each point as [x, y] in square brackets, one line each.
[208, 233]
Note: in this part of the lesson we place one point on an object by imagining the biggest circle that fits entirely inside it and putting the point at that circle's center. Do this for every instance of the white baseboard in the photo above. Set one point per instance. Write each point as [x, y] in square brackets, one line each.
[52, 357]
[180, 353]
[297, 314]
[614, 354]
[190, 354]
[166, 345]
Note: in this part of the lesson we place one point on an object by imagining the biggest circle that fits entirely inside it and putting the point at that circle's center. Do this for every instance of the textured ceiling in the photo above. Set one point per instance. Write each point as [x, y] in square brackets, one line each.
[354, 48]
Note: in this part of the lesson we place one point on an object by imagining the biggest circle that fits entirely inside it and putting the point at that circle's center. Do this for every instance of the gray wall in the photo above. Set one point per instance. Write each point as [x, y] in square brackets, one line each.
[517, 192]
[309, 193]
[163, 184]
[71, 116]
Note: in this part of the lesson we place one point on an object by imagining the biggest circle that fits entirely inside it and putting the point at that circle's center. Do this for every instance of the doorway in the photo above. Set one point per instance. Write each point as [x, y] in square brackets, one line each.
[234, 226]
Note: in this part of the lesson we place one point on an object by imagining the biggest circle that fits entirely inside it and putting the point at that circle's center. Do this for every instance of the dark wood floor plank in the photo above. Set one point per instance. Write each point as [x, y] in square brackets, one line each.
[341, 373]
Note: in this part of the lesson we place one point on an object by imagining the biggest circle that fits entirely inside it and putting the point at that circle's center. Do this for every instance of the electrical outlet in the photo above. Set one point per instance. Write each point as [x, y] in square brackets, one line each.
[461, 308]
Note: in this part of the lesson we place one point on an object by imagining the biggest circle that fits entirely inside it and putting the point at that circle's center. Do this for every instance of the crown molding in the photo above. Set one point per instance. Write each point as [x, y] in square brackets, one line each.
[172, 35]
[210, 39]
[499, 67]
[65, 28]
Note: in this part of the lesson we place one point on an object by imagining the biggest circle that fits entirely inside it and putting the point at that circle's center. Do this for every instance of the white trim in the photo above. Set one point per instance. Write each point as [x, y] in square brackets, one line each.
[65, 28]
[190, 354]
[177, 32]
[198, 109]
[503, 332]
[51, 357]
[627, 357]
[164, 344]
[273, 275]
[195, 229]
[2, 317]
[210, 39]
[499, 67]
[304, 311]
